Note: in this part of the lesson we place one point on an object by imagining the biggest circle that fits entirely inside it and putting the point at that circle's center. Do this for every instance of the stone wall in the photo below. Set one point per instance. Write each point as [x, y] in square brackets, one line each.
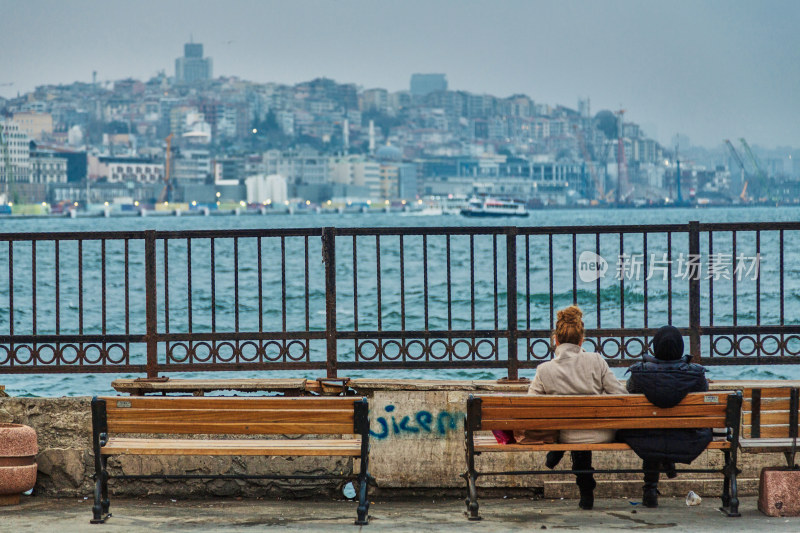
[417, 444]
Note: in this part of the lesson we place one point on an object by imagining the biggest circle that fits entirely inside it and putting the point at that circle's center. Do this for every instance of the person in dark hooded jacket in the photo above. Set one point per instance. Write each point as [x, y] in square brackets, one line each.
[665, 380]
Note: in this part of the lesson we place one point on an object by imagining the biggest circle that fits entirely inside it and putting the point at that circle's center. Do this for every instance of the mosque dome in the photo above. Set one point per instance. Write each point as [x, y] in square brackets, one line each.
[389, 153]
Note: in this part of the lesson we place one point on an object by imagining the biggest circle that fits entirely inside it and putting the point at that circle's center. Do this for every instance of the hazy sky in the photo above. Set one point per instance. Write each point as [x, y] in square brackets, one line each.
[706, 69]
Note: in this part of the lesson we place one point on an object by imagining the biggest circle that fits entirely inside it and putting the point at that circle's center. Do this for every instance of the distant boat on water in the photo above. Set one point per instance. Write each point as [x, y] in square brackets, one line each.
[491, 207]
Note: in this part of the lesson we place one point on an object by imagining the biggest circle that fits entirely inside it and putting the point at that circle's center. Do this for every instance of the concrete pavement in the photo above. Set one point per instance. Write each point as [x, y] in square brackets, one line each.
[444, 516]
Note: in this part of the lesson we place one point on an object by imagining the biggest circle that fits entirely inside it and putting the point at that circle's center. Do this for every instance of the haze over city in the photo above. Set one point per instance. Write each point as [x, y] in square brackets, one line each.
[708, 70]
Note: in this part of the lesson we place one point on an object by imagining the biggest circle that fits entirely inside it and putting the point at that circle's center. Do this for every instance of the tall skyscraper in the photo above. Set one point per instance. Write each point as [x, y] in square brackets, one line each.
[192, 66]
[422, 84]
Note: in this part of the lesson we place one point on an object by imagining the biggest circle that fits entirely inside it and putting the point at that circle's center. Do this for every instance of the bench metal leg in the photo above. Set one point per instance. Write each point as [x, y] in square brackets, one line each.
[363, 483]
[101, 502]
[730, 490]
[471, 477]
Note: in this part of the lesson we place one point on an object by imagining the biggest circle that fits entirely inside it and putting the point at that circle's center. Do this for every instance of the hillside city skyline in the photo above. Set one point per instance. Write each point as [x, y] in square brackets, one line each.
[707, 70]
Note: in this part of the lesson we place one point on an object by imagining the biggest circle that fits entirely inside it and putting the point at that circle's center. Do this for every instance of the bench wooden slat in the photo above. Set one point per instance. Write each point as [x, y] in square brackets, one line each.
[605, 423]
[114, 403]
[232, 415]
[649, 411]
[767, 404]
[603, 400]
[768, 392]
[222, 428]
[770, 432]
[490, 444]
[327, 447]
[768, 418]
[766, 445]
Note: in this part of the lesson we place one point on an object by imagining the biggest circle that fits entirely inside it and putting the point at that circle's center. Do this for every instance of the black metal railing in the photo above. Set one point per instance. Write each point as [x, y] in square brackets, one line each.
[334, 300]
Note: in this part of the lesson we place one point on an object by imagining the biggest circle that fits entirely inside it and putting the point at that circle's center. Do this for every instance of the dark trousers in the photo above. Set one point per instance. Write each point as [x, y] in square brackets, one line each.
[651, 469]
[583, 461]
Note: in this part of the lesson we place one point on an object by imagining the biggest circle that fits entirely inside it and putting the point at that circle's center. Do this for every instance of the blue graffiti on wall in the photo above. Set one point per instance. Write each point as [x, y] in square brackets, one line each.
[421, 422]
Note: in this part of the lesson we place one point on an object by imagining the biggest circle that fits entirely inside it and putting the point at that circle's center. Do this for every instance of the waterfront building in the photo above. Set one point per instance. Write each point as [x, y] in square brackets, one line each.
[14, 153]
[192, 166]
[193, 67]
[47, 166]
[35, 125]
[263, 189]
[125, 169]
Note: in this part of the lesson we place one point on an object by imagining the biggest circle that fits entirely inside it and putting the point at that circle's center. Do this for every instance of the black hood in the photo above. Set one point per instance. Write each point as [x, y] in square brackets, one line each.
[668, 344]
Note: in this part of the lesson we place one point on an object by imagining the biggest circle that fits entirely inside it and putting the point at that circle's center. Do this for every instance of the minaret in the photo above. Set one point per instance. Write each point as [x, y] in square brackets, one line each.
[346, 135]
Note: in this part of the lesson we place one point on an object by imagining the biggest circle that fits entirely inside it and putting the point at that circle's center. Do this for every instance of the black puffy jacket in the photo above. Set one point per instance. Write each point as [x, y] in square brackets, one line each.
[665, 384]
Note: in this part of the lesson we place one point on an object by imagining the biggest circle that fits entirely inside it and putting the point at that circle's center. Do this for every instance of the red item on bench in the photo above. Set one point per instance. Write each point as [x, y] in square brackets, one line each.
[504, 436]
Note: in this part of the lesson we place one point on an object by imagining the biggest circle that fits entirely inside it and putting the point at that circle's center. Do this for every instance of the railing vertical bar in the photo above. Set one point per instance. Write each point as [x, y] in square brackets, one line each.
[126, 263]
[379, 286]
[574, 269]
[550, 278]
[735, 298]
[189, 314]
[711, 289]
[669, 278]
[102, 293]
[782, 294]
[283, 287]
[511, 303]
[166, 296]
[622, 282]
[260, 276]
[472, 280]
[103, 284]
[646, 263]
[329, 257]
[527, 281]
[758, 293]
[425, 278]
[212, 252]
[33, 290]
[57, 260]
[402, 286]
[355, 295]
[151, 307]
[694, 293]
[80, 288]
[236, 285]
[449, 286]
[496, 300]
[597, 290]
[12, 356]
[306, 283]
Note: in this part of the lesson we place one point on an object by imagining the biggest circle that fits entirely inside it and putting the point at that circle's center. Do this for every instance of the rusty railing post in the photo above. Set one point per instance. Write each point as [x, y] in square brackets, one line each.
[151, 311]
[694, 292]
[511, 302]
[329, 257]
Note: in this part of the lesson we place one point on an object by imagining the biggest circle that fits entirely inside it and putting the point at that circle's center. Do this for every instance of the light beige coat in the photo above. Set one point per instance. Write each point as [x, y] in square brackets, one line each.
[575, 371]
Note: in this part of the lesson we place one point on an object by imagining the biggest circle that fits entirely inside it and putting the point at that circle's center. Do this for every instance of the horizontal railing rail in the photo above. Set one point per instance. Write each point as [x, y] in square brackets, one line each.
[335, 300]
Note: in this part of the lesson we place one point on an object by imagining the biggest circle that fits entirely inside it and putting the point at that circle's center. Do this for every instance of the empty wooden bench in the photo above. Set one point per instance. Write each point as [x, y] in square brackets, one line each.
[518, 412]
[769, 421]
[153, 426]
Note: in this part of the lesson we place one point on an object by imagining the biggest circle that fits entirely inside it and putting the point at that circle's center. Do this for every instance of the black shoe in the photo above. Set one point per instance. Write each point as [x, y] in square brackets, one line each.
[650, 497]
[552, 459]
[587, 500]
[670, 469]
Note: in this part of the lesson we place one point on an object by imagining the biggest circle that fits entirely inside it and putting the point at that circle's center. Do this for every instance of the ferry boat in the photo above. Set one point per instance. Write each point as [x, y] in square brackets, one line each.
[491, 207]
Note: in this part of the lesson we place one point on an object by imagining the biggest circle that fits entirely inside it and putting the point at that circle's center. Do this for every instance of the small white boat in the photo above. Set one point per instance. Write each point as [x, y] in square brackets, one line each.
[491, 207]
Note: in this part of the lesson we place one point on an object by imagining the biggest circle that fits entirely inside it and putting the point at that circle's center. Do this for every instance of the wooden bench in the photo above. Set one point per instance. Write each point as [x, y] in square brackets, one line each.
[769, 421]
[148, 426]
[518, 412]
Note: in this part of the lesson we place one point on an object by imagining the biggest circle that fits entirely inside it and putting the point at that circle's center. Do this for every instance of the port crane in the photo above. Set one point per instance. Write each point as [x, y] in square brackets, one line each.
[763, 182]
[735, 154]
[166, 192]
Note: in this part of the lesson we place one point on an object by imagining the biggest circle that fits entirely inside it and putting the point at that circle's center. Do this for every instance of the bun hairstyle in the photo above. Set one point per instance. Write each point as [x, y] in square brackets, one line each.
[569, 325]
